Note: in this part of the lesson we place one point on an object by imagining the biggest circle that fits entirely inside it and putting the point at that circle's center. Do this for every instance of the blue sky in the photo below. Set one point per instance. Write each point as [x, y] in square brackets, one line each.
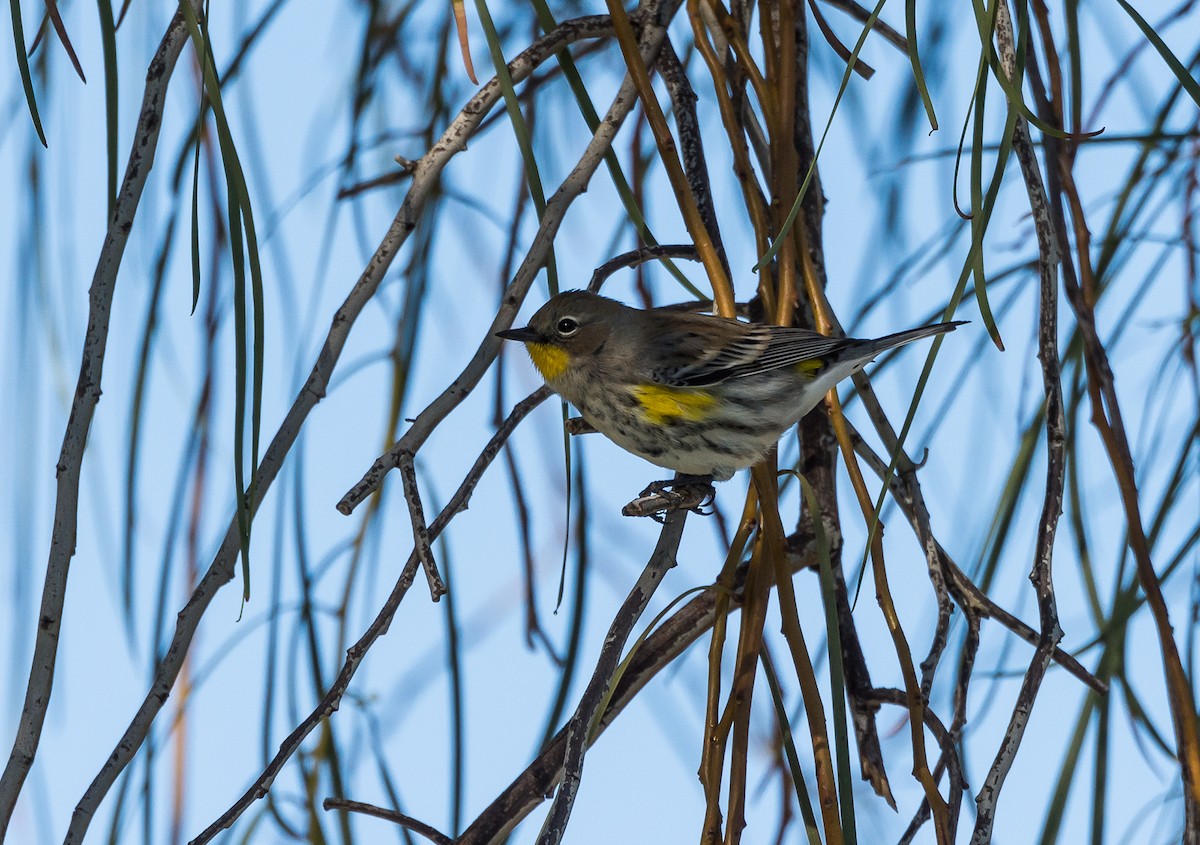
[290, 114]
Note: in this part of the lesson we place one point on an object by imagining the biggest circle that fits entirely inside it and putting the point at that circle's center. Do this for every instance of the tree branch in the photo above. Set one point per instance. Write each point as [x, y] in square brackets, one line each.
[408, 822]
[426, 173]
[383, 620]
[1041, 576]
[658, 651]
[87, 395]
[556, 208]
[583, 724]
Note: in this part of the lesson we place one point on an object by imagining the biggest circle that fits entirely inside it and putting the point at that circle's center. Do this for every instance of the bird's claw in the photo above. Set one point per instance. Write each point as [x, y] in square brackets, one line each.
[690, 493]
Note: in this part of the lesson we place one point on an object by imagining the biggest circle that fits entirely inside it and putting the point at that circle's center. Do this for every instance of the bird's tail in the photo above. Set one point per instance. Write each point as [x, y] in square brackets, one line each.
[901, 338]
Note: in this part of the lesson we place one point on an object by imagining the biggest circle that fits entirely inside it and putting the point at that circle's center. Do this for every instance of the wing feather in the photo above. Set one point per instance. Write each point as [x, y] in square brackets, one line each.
[699, 351]
[743, 350]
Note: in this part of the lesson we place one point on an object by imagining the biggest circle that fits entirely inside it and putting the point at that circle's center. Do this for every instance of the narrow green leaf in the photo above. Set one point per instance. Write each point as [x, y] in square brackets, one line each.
[196, 213]
[237, 248]
[837, 673]
[1181, 73]
[520, 129]
[61, 31]
[1100, 770]
[910, 34]
[14, 7]
[108, 42]
[244, 250]
[1075, 52]
[570, 661]
[1067, 775]
[980, 78]
[982, 204]
[803, 799]
[136, 409]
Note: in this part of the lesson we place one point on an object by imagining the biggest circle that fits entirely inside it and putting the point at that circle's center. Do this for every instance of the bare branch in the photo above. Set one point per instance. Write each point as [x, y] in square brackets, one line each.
[656, 652]
[635, 257]
[1043, 582]
[426, 175]
[355, 654]
[582, 725]
[416, 826]
[87, 395]
[416, 512]
[556, 208]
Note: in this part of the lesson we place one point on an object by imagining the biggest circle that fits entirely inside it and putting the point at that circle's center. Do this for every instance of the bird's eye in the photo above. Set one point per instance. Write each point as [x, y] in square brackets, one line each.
[567, 326]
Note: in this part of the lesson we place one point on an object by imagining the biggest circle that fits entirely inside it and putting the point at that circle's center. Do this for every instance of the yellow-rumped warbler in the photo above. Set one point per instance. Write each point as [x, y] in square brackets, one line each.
[698, 394]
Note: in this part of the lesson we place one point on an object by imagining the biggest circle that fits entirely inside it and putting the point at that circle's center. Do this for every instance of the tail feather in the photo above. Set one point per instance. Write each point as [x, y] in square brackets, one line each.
[900, 338]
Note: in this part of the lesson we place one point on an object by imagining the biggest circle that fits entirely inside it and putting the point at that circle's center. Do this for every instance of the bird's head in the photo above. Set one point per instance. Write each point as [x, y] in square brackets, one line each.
[568, 327]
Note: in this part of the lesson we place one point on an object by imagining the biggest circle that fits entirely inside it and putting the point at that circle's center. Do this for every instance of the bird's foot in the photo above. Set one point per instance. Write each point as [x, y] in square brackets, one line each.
[578, 425]
[684, 492]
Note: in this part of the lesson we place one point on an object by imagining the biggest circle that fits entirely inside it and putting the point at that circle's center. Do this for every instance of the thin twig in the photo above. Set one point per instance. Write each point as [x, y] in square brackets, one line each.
[819, 466]
[416, 513]
[974, 602]
[862, 15]
[355, 654]
[814, 709]
[658, 651]
[581, 725]
[958, 781]
[751, 191]
[408, 822]
[716, 726]
[556, 208]
[918, 514]
[691, 146]
[889, 695]
[426, 174]
[636, 257]
[86, 397]
[636, 65]
[1079, 284]
[1051, 634]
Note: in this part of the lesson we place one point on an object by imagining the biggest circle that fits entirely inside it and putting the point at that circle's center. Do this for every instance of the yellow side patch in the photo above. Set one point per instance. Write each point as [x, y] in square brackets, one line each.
[809, 367]
[665, 404]
[551, 361]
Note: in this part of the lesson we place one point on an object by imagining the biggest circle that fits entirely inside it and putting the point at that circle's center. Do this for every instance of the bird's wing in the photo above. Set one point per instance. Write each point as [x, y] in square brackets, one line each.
[728, 350]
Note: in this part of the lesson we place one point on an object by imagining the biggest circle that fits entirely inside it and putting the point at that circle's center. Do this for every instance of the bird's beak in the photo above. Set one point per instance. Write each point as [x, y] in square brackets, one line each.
[524, 335]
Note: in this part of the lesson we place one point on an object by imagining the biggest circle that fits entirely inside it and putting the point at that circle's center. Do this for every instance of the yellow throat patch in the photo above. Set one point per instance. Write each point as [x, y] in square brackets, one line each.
[551, 361]
[662, 404]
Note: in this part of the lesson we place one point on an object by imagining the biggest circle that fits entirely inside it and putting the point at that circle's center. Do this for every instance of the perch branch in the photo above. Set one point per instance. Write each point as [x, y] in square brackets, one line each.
[658, 651]
[581, 726]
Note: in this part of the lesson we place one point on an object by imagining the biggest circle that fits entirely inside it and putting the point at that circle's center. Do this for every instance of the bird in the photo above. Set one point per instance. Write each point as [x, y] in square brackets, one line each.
[702, 395]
